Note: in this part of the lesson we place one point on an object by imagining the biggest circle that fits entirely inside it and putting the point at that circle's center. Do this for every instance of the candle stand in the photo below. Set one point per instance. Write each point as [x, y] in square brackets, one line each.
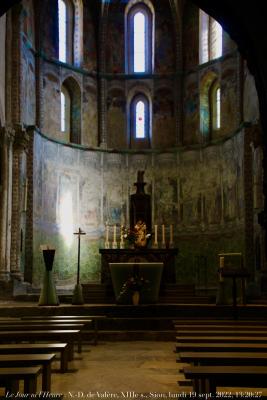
[48, 296]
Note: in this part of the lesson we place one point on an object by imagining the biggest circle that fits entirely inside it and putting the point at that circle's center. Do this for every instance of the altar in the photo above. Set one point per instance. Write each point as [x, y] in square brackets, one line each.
[166, 256]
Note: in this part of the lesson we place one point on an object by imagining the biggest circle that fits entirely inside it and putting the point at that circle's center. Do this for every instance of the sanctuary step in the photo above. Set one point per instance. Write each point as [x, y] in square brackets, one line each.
[96, 293]
[169, 294]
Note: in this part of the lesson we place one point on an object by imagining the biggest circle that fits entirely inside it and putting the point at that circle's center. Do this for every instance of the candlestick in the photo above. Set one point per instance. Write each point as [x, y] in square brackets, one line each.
[163, 235]
[114, 244]
[122, 239]
[107, 237]
[155, 245]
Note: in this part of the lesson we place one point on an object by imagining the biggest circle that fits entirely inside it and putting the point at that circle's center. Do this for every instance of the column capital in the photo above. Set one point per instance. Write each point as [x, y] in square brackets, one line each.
[7, 133]
[21, 137]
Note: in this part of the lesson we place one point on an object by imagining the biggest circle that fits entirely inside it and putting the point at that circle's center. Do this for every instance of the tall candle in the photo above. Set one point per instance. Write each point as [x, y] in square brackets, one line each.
[156, 234]
[171, 234]
[107, 233]
[114, 233]
[163, 233]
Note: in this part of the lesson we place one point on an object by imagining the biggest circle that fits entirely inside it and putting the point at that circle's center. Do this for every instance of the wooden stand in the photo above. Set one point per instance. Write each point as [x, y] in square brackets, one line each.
[242, 274]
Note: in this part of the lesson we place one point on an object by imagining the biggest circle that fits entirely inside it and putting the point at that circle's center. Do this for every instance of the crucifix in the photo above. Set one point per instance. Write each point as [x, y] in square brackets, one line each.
[77, 294]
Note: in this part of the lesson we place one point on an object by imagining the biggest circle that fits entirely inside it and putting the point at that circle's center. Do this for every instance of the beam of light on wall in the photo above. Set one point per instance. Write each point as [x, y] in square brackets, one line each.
[66, 218]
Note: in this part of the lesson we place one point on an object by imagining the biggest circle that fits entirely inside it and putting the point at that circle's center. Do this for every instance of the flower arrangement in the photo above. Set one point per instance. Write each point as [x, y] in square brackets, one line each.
[134, 283]
[137, 236]
[129, 235]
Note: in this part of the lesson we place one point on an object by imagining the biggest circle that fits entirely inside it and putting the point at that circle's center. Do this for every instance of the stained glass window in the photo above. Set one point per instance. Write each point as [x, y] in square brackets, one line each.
[218, 108]
[140, 120]
[62, 30]
[210, 38]
[139, 42]
[63, 112]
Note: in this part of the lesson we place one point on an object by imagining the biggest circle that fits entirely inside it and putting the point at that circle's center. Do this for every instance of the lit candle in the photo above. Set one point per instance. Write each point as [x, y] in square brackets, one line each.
[107, 238]
[114, 233]
[156, 234]
[171, 234]
[163, 234]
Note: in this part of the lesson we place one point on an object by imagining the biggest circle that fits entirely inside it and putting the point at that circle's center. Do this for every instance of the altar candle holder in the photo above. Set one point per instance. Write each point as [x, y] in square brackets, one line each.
[114, 243]
[163, 243]
[156, 244]
[122, 245]
[107, 237]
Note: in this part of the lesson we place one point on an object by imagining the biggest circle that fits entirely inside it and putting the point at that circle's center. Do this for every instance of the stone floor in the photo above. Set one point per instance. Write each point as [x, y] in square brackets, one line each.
[121, 370]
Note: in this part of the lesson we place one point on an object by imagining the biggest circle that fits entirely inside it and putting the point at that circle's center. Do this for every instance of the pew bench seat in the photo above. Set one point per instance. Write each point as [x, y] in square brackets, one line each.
[10, 377]
[29, 360]
[39, 348]
[206, 379]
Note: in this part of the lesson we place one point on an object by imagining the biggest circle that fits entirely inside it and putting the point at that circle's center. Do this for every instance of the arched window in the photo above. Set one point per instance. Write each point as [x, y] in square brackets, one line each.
[65, 111]
[140, 121]
[210, 106]
[70, 30]
[139, 39]
[215, 101]
[210, 38]
[70, 112]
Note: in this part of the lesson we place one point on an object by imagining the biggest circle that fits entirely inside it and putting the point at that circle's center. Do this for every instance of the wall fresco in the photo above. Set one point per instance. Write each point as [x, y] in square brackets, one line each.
[28, 87]
[164, 40]
[191, 110]
[27, 20]
[89, 41]
[92, 189]
[115, 43]
[116, 119]
[163, 119]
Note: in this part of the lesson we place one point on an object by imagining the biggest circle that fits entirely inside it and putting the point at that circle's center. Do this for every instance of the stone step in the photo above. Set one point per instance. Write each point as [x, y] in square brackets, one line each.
[126, 335]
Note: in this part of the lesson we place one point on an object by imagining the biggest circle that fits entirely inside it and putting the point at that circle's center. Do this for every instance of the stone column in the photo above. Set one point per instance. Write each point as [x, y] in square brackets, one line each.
[6, 143]
[19, 193]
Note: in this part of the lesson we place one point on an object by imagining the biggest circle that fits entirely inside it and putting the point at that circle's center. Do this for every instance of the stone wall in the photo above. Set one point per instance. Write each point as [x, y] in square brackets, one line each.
[199, 191]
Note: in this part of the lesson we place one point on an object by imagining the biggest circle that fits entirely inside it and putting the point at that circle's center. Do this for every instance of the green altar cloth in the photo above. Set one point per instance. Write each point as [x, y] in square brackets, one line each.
[150, 272]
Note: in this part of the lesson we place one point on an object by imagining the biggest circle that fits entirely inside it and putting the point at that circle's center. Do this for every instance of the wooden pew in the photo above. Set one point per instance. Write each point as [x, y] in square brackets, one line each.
[10, 377]
[93, 318]
[203, 321]
[220, 333]
[222, 339]
[221, 327]
[43, 327]
[206, 379]
[221, 347]
[223, 358]
[69, 336]
[39, 348]
[29, 360]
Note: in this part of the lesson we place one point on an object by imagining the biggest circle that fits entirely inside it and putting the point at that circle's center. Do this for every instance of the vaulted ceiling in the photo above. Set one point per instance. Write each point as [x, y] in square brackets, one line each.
[244, 21]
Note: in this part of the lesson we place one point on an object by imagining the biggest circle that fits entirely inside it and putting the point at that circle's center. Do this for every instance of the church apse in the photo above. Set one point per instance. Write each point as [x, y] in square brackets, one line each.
[197, 191]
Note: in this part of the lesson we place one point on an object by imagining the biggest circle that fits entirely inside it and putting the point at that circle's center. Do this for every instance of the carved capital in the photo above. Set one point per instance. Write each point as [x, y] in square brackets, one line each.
[21, 138]
[7, 134]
